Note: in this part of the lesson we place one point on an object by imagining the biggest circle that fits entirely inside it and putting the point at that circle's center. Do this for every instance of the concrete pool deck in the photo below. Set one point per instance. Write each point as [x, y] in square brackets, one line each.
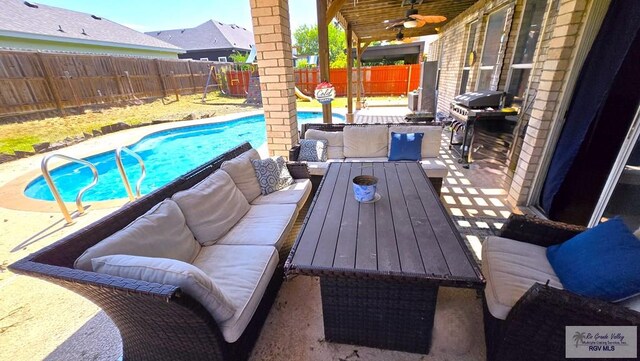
[27, 329]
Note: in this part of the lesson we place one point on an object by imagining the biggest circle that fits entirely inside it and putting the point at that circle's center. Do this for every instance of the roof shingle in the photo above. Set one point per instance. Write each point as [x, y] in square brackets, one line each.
[209, 35]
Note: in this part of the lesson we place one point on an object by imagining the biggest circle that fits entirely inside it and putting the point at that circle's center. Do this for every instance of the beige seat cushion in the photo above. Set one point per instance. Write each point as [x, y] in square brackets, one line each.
[165, 271]
[320, 168]
[366, 159]
[161, 232]
[212, 207]
[242, 273]
[511, 268]
[334, 139]
[430, 141]
[297, 194]
[243, 174]
[366, 141]
[263, 225]
[434, 167]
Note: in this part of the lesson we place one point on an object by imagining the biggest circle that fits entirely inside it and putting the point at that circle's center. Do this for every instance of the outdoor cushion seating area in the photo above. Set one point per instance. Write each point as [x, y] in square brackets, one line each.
[190, 270]
[371, 143]
[526, 306]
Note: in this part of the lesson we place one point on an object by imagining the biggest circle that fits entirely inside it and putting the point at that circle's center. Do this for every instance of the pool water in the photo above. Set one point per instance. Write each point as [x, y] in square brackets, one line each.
[166, 154]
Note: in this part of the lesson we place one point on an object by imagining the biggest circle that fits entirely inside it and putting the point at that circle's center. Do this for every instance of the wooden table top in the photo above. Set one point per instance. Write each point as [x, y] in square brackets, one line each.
[407, 234]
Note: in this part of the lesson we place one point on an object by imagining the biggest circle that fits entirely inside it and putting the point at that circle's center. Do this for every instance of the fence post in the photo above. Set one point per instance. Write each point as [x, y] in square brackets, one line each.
[50, 84]
[175, 84]
[193, 80]
[164, 90]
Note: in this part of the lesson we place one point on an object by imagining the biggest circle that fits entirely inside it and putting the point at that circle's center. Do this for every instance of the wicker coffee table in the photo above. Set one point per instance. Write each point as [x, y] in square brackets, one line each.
[380, 264]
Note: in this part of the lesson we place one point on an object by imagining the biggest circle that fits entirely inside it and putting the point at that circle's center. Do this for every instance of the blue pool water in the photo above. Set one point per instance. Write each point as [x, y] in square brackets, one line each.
[166, 154]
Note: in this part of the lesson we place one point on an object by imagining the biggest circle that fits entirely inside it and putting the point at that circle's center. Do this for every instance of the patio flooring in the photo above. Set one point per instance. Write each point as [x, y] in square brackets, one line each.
[475, 198]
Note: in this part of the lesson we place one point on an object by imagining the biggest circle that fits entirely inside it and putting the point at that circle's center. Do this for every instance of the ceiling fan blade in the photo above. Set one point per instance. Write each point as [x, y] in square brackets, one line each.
[428, 19]
[395, 25]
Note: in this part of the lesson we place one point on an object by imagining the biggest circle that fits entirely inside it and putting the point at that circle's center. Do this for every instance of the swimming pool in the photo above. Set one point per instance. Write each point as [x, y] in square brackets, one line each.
[167, 154]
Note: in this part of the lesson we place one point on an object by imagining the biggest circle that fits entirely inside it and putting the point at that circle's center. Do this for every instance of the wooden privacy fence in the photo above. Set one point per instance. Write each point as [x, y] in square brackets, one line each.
[37, 82]
[376, 80]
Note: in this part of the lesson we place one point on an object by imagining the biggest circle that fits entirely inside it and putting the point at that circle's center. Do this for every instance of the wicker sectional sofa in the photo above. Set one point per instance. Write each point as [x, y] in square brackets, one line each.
[211, 224]
[370, 143]
[526, 308]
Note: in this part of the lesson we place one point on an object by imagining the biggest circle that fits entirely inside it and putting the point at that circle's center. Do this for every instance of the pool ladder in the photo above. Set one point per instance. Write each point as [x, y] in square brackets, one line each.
[123, 173]
[44, 166]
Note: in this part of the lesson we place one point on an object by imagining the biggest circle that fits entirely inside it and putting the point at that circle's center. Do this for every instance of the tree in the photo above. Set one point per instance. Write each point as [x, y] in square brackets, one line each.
[306, 40]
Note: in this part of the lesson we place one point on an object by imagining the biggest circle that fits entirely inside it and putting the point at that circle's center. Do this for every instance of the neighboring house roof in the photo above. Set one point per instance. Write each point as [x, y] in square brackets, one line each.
[23, 19]
[209, 35]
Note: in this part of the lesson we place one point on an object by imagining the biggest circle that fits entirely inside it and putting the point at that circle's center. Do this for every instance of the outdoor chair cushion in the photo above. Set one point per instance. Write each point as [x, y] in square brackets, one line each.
[320, 168]
[243, 174]
[511, 268]
[272, 174]
[369, 141]
[264, 225]
[212, 207]
[242, 273]
[601, 262]
[161, 232]
[297, 194]
[366, 159]
[335, 142]
[405, 146]
[166, 271]
[430, 141]
[434, 167]
[313, 150]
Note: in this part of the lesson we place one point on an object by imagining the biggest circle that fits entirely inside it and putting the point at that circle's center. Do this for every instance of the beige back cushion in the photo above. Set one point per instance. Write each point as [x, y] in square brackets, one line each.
[430, 140]
[212, 207]
[334, 139]
[165, 271]
[161, 232]
[243, 174]
[366, 141]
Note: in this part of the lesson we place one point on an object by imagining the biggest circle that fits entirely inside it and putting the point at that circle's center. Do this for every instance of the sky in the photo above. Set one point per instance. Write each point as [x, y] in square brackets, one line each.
[150, 15]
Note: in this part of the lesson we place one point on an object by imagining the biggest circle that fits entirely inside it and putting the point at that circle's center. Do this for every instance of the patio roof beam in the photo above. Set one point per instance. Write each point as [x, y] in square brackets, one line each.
[333, 10]
[349, 73]
[323, 52]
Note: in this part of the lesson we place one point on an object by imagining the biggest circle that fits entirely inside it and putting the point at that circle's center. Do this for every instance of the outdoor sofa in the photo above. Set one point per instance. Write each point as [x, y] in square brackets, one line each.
[370, 143]
[243, 259]
[526, 308]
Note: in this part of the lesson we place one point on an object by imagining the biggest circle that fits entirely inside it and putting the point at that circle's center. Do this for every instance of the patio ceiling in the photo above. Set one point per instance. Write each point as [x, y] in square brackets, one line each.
[367, 16]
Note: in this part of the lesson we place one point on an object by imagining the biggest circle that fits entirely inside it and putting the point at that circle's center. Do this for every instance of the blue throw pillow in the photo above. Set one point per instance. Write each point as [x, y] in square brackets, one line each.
[602, 262]
[406, 146]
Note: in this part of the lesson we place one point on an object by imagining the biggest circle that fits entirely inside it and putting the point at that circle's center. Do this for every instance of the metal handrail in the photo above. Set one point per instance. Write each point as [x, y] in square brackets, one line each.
[54, 190]
[123, 173]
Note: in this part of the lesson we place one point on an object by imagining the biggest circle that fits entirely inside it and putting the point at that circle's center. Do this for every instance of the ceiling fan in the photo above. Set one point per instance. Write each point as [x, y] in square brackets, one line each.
[414, 20]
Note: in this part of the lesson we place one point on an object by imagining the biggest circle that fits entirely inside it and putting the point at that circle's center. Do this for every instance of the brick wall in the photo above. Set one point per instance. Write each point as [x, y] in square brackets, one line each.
[272, 35]
[563, 23]
[566, 23]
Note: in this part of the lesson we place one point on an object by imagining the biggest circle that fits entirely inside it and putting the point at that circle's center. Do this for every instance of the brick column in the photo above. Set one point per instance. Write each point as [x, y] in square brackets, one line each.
[559, 47]
[272, 34]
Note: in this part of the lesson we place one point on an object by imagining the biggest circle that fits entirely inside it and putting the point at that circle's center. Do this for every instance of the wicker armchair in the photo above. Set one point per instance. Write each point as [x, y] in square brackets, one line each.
[156, 321]
[535, 327]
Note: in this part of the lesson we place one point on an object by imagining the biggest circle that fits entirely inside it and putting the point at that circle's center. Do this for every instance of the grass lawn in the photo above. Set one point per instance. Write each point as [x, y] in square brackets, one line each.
[21, 136]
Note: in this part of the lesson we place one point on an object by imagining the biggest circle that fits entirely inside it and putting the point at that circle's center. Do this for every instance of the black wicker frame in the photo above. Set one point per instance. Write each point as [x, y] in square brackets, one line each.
[294, 152]
[535, 327]
[156, 321]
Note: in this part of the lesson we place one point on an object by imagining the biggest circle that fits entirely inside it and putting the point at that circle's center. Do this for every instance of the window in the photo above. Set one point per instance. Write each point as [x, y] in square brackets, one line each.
[204, 59]
[525, 47]
[471, 45]
[222, 59]
[492, 41]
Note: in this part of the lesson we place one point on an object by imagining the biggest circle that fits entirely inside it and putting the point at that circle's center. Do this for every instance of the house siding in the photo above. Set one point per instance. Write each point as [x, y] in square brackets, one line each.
[55, 46]
[211, 54]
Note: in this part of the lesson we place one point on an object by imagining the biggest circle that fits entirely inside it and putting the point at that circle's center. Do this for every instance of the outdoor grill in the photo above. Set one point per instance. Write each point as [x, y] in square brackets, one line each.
[468, 108]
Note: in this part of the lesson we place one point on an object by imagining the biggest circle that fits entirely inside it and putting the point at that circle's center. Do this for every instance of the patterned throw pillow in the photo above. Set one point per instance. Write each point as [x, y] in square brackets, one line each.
[312, 150]
[272, 174]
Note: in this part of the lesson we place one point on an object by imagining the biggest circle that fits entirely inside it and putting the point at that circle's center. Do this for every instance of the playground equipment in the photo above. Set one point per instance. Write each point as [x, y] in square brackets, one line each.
[302, 97]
